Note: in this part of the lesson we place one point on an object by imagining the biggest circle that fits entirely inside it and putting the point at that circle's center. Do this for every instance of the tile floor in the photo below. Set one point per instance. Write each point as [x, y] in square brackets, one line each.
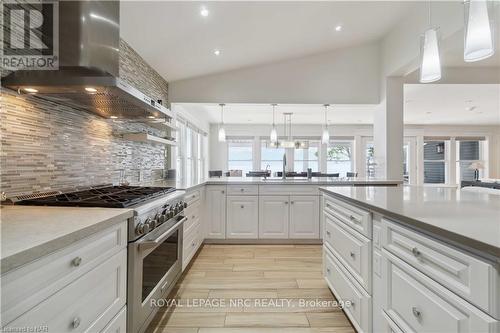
[253, 289]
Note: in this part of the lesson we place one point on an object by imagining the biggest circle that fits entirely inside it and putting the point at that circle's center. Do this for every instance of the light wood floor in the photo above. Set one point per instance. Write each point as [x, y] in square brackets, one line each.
[285, 274]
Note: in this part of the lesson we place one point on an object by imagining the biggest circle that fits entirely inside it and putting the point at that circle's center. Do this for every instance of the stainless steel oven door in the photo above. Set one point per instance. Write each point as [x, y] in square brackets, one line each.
[154, 265]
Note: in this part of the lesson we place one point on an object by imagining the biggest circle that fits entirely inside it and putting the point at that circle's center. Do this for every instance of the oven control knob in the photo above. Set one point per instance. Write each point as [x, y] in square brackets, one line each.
[185, 205]
[157, 219]
[139, 229]
[148, 225]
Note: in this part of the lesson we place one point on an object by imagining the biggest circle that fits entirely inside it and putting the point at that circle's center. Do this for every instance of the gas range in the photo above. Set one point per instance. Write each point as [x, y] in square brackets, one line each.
[152, 206]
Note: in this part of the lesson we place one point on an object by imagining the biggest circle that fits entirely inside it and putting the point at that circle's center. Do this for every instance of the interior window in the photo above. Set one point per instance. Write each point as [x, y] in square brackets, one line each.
[339, 157]
[306, 158]
[370, 159]
[240, 155]
[272, 157]
[434, 162]
[469, 158]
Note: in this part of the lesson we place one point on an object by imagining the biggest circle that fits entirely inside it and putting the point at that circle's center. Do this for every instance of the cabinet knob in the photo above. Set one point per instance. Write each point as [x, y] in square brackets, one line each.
[328, 233]
[353, 254]
[352, 218]
[328, 270]
[286, 202]
[416, 312]
[291, 202]
[242, 206]
[242, 190]
[76, 262]
[416, 252]
[222, 192]
[76, 322]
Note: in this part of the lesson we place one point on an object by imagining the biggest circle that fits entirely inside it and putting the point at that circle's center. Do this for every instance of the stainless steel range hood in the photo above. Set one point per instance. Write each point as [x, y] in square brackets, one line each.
[89, 58]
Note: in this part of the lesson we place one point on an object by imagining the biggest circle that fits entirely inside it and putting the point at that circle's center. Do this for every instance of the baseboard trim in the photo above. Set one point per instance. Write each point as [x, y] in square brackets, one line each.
[264, 241]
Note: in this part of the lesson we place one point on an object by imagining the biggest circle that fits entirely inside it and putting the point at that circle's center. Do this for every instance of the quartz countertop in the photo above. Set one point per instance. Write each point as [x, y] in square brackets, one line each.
[469, 219]
[30, 232]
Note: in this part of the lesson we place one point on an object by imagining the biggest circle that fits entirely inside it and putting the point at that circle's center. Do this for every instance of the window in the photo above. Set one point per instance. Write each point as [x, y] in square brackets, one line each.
[306, 158]
[406, 163]
[468, 153]
[272, 157]
[240, 155]
[190, 162]
[370, 159]
[434, 162]
[190, 175]
[339, 157]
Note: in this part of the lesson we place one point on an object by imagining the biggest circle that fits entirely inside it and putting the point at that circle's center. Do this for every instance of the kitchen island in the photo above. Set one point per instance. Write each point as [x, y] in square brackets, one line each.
[414, 259]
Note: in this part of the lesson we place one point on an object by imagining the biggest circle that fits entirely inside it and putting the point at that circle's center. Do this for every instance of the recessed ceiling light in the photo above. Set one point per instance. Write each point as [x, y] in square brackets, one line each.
[428, 112]
[339, 28]
[90, 89]
[113, 117]
[204, 12]
[151, 117]
[217, 52]
[470, 108]
[30, 90]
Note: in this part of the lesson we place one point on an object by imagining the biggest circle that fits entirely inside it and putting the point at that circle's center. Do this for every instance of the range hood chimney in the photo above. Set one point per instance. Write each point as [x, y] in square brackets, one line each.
[88, 74]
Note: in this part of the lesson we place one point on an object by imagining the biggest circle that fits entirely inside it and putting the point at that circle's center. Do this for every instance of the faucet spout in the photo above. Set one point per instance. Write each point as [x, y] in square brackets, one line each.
[283, 175]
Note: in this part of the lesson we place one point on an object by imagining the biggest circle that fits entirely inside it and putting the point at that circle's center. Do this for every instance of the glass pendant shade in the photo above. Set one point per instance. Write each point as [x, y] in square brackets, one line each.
[478, 37]
[222, 134]
[325, 137]
[430, 67]
[274, 134]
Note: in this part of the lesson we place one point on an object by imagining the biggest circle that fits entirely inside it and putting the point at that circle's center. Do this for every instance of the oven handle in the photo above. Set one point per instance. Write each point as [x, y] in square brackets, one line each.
[148, 244]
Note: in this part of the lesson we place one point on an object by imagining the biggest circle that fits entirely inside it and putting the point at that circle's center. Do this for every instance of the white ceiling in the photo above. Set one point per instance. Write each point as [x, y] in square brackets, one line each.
[179, 43]
[426, 104]
[453, 104]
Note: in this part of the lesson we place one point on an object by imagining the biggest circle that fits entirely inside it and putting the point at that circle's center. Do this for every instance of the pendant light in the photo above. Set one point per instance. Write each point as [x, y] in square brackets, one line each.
[222, 131]
[325, 137]
[430, 66]
[274, 133]
[478, 39]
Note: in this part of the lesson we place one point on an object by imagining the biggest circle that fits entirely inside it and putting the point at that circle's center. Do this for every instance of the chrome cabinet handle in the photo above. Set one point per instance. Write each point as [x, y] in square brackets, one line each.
[76, 262]
[416, 252]
[76, 322]
[416, 312]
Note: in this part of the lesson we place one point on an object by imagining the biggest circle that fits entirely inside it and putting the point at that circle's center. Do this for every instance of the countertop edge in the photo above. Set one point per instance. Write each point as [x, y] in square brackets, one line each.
[460, 241]
[34, 253]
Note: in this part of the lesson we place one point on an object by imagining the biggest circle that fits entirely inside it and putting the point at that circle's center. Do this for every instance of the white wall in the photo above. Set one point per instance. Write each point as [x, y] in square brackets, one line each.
[347, 76]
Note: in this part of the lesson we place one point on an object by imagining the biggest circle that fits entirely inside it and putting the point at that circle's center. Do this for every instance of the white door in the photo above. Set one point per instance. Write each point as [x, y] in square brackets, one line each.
[216, 211]
[304, 216]
[273, 216]
[242, 217]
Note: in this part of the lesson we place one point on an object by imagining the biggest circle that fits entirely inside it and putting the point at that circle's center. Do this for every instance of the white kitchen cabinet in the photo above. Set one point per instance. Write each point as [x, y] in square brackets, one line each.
[304, 217]
[242, 217]
[273, 216]
[216, 211]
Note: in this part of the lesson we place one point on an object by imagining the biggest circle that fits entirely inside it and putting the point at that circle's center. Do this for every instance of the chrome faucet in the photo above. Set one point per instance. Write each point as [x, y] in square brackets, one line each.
[283, 175]
[268, 168]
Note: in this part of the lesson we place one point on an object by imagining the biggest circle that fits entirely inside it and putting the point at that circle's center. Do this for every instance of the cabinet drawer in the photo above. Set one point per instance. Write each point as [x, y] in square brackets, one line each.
[193, 210]
[87, 304]
[418, 304]
[28, 285]
[472, 278]
[192, 196]
[118, 324]
[352, 249]
[354, 217]
[290, 189]
[242, 189]
[345, 289]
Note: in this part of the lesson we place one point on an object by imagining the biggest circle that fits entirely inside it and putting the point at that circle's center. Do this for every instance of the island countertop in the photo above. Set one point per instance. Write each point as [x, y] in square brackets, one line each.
[30, 232]
[470, 219]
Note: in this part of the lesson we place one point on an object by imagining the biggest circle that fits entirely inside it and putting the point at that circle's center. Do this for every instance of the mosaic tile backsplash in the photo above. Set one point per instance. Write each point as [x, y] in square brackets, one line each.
[46, 146]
